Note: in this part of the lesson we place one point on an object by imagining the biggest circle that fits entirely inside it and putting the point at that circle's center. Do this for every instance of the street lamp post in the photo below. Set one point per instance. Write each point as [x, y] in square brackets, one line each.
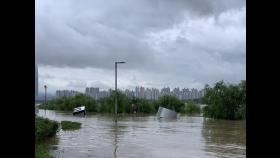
[45, 86]
[116, 87]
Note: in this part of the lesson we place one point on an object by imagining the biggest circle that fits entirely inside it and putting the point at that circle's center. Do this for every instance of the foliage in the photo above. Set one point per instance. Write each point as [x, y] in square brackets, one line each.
[41, 151]
[69, 103]
[69, 125]
[107, 104]
[103, 105]
[191, 107]
[144, 106]
[225, 101]
[44, 128]
[171, 102]
[198, 100]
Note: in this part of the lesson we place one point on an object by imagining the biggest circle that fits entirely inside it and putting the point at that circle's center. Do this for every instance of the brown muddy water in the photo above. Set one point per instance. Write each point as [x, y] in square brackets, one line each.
[147, 137]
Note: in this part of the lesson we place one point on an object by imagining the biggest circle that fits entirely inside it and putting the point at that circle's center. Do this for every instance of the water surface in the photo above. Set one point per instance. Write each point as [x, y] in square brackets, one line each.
[146, 136]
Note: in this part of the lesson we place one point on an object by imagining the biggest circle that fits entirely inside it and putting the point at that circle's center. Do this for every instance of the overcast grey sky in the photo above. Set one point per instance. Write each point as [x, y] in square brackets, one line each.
[175, 43]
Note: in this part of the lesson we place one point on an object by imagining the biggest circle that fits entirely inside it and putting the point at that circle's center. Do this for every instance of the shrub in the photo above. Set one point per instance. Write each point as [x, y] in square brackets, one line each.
[41, 151]
[69, 103]
[44, 128]
[171, 102]
[225, 101]
[192, 108]
[69, 125]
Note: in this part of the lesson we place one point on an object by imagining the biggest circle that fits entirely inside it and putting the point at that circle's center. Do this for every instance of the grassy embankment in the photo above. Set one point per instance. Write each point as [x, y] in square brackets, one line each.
[69, 125]
[45, 129]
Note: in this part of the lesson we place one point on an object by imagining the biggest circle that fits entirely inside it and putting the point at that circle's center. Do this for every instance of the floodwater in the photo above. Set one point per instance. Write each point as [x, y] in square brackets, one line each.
[147, 137]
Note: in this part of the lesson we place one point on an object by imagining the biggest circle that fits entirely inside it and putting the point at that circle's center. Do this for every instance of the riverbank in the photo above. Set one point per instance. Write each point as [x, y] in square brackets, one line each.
[41, 151]
[44, 129]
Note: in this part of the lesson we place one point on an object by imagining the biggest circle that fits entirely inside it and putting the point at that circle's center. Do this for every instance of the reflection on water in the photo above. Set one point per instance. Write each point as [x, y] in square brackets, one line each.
[116, 143]
[225, 137]
[146, 136]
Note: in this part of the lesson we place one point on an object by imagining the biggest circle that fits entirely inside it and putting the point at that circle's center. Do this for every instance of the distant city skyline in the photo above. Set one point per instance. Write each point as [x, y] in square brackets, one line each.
[138, 92]
[164, 43]
[82, 90]
[39, 90]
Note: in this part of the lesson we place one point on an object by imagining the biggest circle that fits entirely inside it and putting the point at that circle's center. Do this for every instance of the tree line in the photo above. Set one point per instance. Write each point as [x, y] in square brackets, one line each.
[125, 104]
[223, 101]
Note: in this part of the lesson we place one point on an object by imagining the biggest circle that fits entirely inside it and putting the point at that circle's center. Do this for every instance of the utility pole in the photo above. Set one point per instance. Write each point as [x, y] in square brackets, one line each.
[116, 99]
[116, 88]
[45, 86]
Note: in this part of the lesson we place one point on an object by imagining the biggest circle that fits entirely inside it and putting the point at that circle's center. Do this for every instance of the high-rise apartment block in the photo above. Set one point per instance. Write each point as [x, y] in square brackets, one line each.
[140, 92]
[92, 92]
[66, 93]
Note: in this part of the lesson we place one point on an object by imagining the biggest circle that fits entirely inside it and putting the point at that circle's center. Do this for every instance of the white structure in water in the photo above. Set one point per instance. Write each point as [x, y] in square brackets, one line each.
[166, 113]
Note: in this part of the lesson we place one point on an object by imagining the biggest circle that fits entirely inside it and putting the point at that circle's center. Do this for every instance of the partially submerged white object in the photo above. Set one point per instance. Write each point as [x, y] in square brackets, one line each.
[36, 110]
[166, 113]
[81, 109]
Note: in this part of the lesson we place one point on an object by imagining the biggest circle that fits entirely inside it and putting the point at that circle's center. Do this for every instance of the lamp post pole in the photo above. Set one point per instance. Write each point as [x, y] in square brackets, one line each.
[116, 100]
[45, 86]
[116, 88]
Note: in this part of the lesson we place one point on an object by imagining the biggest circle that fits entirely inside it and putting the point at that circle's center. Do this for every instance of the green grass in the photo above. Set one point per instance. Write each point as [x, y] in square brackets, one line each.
[69, 125]
[44, 129]
[41, 151]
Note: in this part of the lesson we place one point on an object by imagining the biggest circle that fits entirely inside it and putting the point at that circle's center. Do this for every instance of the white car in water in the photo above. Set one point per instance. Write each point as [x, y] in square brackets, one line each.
[36, 110]
[78, 110]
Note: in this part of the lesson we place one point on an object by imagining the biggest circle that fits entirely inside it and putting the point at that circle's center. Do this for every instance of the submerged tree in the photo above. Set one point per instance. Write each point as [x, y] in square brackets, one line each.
[192, 107]
[225, 101]
[171, 102]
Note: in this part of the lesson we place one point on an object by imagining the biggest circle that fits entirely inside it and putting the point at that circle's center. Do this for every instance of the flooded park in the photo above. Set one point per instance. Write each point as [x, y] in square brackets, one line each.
[140, 136]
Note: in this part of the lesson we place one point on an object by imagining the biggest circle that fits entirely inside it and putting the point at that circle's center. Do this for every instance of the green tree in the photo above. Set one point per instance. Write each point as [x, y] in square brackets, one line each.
[144, 106]
[191, 107]
[107, 104]
[69, 103]
[225, 101]
[171, 102]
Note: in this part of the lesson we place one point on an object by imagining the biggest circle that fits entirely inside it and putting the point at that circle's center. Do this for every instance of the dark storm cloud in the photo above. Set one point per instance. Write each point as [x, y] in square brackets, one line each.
[184, 41]
[95, 33]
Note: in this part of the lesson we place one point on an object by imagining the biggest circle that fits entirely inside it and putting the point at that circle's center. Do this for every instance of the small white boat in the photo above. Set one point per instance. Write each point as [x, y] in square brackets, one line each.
[167, 113]
[78, 110]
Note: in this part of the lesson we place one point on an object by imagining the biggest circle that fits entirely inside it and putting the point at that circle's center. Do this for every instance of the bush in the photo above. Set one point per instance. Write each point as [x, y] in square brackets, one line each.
[69, 103]
[69, 125]
[107, 104]
[225, 101]
[41, 151]
[144, 106]
[192, 108]
[44, 128]
[171, 102]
